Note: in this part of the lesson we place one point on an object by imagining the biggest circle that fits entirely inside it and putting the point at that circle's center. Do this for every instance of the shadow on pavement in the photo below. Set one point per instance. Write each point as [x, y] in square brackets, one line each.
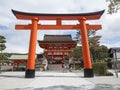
[22, 76]
[82, 87]
[12, 76]
[59, 76]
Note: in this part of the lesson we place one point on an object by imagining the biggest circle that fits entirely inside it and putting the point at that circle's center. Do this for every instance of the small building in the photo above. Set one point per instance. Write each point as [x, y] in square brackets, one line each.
[19, 61]
[114, 54]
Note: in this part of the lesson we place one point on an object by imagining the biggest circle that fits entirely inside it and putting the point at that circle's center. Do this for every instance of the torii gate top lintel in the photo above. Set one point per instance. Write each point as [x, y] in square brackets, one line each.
[47, 16]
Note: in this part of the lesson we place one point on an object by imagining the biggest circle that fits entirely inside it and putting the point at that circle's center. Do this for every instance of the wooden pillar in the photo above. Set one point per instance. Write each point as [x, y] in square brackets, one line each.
[46, 54]
[13, 65]
[52, 57]
[74, 63]
[63, 60]
[88, 71]
[30, 72]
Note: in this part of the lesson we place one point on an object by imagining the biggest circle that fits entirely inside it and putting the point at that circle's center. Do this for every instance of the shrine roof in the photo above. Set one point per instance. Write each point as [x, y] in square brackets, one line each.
[19, 57]
[114, 49]
[54, 16]
[57, 39]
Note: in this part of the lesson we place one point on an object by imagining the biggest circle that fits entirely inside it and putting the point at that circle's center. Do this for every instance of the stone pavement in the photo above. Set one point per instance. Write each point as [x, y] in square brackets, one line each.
[57, 81]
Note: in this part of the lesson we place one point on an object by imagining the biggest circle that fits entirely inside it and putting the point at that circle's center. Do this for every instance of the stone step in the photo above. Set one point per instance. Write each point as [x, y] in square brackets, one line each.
[54, 67]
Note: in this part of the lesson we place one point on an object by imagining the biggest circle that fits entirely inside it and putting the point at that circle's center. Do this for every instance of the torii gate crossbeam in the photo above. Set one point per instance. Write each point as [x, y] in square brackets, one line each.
[34, 26]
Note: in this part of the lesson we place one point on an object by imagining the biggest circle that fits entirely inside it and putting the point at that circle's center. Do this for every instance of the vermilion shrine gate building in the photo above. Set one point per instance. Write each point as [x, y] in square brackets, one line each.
[57, 48]
[82, 26]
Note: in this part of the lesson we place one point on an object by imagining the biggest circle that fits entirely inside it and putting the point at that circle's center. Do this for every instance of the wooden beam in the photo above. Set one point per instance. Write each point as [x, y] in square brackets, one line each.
[58, 22]
[93, 27]
[23, 27]
[47, 27]
[59, 27]
[58, 50]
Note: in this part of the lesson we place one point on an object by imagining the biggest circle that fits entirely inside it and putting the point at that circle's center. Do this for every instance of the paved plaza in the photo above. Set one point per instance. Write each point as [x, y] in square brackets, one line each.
[57, 81]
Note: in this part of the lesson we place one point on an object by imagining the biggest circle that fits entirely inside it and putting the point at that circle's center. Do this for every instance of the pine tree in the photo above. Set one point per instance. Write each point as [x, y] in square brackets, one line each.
[2, 46]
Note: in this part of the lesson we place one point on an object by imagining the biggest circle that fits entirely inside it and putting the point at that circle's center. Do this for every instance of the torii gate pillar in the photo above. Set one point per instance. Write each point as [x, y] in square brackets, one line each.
[30, 72]
[88, 71]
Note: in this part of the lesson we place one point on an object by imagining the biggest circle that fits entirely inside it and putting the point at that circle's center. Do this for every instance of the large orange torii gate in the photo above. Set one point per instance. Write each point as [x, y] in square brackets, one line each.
[34, 26]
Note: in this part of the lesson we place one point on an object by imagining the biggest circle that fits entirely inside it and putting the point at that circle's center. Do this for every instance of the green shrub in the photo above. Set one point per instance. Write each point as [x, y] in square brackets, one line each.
[108, 74]
[77, 67]
[4, 61]
[100, 68]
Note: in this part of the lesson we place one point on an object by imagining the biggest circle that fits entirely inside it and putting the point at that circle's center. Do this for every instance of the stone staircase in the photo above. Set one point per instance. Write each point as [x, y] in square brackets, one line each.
[39, 67]
[55, 67]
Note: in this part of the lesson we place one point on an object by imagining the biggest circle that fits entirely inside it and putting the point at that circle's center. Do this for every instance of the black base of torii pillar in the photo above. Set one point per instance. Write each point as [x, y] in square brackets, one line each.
[88, 73]
[29, 73]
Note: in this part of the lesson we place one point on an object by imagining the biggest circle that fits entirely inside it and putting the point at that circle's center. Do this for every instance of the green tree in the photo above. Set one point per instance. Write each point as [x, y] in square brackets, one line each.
[114, 6]
[101, 53]
[2, 47]
[97, 51]
[4, 56]
[94, 44]
[89, 32]
[2, 43]
[77, 52]
[93, 41]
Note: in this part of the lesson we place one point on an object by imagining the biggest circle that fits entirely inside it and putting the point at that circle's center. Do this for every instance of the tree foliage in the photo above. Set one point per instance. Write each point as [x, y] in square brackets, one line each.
[3, 56]
[2, 43]
[94, 44]
[98, 52]
[101, 53]
[77, 52]
[114, 6]
[89, 32]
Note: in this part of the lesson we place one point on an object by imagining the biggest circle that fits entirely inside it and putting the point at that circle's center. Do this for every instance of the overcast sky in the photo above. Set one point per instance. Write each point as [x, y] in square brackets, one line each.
[18, 41]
